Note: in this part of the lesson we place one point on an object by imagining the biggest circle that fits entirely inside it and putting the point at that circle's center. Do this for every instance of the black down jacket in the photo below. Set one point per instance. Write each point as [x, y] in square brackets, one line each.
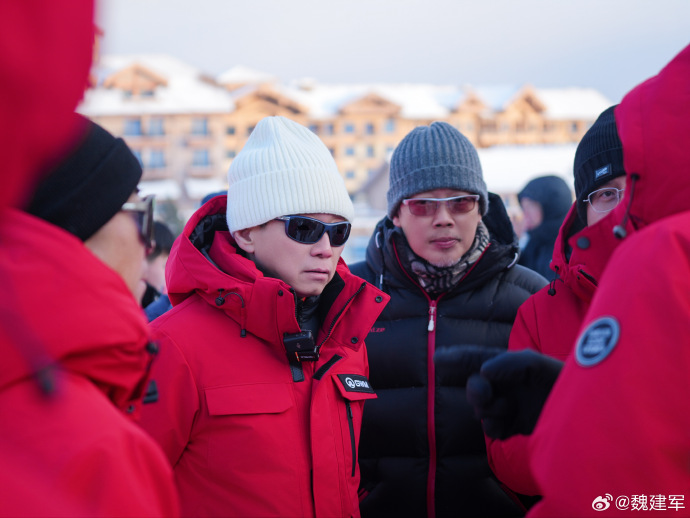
[422, 452]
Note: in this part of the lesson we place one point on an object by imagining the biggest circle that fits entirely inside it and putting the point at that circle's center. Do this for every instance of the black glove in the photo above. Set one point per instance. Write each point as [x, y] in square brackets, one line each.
[510, 391]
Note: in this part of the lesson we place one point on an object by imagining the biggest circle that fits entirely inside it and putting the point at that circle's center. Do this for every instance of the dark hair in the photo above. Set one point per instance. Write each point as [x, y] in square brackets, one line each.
[164, 240]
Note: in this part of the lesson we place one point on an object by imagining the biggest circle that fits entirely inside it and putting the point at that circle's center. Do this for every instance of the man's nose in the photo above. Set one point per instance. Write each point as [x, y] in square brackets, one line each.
[323, 246]
[443, 216]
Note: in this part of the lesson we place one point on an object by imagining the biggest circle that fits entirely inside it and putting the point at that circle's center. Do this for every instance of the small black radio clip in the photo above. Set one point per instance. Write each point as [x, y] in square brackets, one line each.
[301, 346]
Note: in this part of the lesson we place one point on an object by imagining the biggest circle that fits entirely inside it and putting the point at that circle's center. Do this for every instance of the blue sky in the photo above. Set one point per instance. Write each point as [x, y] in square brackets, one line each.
[611, 45]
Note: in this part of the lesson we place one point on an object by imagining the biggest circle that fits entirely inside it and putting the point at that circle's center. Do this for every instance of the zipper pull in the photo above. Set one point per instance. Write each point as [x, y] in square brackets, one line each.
[432, 310]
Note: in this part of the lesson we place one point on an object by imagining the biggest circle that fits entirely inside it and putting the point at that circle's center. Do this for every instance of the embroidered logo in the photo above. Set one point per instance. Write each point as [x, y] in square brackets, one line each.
[602, 172]
[597, 341]
[355, 383]
[377, 329]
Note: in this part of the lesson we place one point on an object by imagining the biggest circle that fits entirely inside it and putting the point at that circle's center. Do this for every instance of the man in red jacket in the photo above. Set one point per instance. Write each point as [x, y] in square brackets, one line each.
[614, 435]
[549, 321]
[76, 359]
[262, 373]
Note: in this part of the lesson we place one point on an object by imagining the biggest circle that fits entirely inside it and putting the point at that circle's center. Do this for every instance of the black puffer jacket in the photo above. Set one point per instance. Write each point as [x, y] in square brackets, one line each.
[422, 451]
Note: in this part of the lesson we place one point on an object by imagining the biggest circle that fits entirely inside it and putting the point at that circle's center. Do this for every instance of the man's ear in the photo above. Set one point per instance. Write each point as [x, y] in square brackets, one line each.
[245, 239]
[396, 219]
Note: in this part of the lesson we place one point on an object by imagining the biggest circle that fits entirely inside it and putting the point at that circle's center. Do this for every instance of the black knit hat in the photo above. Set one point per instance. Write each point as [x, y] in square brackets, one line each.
[598, 159]
[86, 190]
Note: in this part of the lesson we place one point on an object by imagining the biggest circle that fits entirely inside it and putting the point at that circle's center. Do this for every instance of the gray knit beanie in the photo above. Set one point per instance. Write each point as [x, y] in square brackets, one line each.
[435, 157]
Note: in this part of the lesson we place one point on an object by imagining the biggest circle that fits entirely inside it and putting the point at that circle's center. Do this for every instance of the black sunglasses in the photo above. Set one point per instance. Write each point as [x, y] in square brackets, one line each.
[143, 216]
[309, 230]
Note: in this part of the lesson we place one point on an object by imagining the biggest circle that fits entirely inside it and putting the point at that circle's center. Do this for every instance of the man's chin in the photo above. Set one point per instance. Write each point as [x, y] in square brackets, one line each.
[445, 262]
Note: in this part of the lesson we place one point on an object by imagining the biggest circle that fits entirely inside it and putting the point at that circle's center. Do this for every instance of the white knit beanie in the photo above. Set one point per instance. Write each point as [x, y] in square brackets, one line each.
[284, 169]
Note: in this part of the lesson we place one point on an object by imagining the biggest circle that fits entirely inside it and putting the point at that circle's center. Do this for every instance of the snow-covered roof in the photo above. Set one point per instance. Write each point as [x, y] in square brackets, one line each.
[508, 168]
[185, 92]
[242, 74]
[496, 97]
[417, 101]
[162, 189]
[197, 188]
[573, 103]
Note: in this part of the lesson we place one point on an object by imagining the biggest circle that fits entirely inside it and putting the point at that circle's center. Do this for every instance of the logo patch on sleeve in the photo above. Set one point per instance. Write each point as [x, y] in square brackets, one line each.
[597, 341]
[355, 383]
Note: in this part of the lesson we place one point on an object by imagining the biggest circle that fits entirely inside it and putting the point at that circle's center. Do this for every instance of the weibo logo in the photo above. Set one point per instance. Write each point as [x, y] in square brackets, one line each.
[601, 503]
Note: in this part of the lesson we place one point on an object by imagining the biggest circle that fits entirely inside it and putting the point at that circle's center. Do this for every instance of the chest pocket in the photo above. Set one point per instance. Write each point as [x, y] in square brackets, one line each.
[265, 398]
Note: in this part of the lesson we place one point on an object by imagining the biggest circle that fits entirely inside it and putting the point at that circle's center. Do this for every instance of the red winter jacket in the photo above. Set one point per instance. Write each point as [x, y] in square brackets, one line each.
[248, 433]
[549, 322]
[72, 450]
[614, 435]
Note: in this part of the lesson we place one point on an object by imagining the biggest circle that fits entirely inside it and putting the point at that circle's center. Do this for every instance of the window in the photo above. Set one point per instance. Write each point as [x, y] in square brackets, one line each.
[314, 128]
[146, 93]
[349, 175]
[332, 150]
[469, 127]
[389, 127]
[137, 155]
[230, 153]
[156, 126]
[200, 158]
[370, 151]
[230, 130]
[132, 127]
[369, 128]
[349, 127]
[249, 130]
[328, 129]
[349, 151]
[200, 126]
[573, 127]
[156, 159]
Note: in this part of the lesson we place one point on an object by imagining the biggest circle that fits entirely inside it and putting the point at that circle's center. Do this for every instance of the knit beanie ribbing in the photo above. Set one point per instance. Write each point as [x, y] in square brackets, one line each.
[598, 159]
[435, 157]
[90, 186]
[284, 169]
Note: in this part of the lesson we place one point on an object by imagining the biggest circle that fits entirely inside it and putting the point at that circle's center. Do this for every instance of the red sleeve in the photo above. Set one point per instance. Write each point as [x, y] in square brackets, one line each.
[616, 424]
[169, 420]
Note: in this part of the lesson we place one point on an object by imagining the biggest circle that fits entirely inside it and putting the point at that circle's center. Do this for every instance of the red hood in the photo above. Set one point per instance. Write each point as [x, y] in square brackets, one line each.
[64, 306]
[189, 271]
[591, 249]
[240, 288]
[653, 125]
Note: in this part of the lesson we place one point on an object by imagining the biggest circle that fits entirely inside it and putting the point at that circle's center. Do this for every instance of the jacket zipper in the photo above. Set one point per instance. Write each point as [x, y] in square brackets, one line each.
[431, 411]
[351, 425]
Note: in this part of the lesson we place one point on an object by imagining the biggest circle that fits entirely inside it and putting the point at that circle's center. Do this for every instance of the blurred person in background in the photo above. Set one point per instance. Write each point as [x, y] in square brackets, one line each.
[70, 391]
[544, 201]
[154, 271]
